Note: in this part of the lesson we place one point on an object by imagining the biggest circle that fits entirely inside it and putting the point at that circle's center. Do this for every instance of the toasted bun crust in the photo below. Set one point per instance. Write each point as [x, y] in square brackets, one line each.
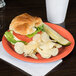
[24, 24]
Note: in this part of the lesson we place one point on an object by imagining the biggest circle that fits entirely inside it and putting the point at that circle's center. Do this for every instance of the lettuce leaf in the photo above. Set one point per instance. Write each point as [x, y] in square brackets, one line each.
[9, 36]
[38, 29]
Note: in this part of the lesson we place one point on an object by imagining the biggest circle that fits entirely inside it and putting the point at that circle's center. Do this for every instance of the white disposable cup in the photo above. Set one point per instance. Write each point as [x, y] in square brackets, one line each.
[56, 10]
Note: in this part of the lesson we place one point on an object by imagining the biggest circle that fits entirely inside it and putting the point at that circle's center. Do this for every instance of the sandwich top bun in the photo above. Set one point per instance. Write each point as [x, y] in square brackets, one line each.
[25, 24]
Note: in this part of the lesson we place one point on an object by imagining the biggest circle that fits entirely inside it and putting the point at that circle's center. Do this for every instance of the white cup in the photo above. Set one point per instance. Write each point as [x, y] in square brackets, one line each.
[56, 10]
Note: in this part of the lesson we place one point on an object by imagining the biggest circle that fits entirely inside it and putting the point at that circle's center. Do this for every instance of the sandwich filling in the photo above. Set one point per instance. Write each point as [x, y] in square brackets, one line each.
[13, 38]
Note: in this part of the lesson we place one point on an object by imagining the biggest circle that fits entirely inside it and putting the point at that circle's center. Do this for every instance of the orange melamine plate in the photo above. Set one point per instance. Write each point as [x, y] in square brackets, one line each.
[63, 52]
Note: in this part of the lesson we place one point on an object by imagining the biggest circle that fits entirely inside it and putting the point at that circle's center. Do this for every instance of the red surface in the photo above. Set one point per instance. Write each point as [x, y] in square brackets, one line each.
[63, 52]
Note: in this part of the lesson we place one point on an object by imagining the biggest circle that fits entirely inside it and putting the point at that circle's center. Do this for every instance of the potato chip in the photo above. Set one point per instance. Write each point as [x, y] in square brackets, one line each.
[33, 56]
[37, 38]
[58, 45]
[45, 37]
[30, 47]
[54, 51]
[47, 45]
[19, 47]
[44, 53]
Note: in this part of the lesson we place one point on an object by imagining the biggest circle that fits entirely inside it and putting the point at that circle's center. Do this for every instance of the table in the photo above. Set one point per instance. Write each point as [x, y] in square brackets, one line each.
[37, 8]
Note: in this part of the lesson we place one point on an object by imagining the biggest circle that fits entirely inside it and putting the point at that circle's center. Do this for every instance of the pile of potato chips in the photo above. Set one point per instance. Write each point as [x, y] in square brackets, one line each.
[41, 44]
